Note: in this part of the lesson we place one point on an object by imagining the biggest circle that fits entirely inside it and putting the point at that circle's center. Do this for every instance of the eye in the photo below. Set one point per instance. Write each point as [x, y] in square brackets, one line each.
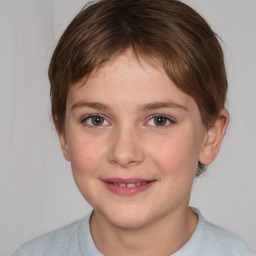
[159, 120]
[95, 120]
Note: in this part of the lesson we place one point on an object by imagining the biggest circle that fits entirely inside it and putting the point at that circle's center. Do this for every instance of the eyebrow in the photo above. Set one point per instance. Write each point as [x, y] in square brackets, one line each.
[158, 105]
[144, 107]
[95, 105]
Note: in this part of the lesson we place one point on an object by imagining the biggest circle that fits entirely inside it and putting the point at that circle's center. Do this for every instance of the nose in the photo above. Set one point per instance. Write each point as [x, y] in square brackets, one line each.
[126, 149]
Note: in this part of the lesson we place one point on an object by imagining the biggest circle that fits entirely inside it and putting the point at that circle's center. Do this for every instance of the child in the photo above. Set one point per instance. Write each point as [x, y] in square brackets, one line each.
[138, 92]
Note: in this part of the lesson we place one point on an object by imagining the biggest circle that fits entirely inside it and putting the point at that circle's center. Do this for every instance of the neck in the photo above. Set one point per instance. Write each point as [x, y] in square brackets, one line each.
[163, 236]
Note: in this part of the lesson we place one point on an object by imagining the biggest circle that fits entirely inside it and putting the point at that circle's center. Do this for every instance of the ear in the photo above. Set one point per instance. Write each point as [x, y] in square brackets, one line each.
[63, 144]
[213, 138]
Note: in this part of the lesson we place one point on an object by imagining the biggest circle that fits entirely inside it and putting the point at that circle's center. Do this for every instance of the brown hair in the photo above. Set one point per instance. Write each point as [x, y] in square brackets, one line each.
[167, 30]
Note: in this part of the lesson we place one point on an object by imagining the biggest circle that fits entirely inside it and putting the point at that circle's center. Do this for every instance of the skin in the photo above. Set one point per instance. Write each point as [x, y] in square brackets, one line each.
[129, 143]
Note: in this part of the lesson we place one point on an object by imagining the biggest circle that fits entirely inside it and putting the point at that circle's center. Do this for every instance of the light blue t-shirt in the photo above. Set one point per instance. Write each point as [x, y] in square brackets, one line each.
[76, 240]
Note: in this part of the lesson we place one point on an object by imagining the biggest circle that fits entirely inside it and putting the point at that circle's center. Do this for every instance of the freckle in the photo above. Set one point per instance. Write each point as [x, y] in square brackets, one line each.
[88, 158]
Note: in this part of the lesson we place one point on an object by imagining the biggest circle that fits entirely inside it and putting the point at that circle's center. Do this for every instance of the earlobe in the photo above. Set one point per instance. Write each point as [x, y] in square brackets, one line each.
[213, 139]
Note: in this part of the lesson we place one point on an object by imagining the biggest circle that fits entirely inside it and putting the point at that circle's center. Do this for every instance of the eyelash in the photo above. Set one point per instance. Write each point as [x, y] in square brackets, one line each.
[85, 119]
[166, 118]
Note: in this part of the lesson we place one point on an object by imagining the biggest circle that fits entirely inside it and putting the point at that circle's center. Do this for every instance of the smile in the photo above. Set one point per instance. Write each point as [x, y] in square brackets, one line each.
[127, 187]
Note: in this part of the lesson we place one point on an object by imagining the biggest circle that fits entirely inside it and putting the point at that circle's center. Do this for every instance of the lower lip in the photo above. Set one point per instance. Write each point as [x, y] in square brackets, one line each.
[128, 191]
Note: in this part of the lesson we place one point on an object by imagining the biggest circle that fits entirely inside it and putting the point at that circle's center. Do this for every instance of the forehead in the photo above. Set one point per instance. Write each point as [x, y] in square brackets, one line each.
[126, 60]
[129, 79]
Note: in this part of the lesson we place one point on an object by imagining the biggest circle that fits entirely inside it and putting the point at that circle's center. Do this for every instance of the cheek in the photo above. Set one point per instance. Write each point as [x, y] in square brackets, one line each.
[85, 154]
[176, 155]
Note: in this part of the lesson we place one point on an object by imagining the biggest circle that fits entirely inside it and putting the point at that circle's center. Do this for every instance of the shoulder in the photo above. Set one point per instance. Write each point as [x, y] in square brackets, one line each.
[53, 243]
[220, 241]
[225, 241]
[211, 240]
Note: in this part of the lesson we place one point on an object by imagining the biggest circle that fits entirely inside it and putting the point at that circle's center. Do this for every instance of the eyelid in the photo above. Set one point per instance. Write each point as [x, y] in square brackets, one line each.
[171, 120]
[85, 118]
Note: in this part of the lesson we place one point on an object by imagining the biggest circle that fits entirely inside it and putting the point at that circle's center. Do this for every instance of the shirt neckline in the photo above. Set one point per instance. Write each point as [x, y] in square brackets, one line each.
[88, 247]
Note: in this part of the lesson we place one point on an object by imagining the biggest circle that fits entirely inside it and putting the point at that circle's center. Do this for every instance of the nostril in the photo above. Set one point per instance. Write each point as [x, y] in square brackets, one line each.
[125, 149]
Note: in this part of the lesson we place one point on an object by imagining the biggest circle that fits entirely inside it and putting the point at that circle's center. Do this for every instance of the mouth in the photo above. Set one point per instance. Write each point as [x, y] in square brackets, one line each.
[127, 187]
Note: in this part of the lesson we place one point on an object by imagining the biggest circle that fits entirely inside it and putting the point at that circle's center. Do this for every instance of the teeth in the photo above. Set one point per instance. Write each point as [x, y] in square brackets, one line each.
[130, 185]
[119, 184]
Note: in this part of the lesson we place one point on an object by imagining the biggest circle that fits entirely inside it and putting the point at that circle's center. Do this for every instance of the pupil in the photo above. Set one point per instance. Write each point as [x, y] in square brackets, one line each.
[97, 120]
[160, 121]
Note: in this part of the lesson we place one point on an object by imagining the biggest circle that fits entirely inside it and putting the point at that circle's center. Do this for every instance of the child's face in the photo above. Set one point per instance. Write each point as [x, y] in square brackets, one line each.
[124, 143]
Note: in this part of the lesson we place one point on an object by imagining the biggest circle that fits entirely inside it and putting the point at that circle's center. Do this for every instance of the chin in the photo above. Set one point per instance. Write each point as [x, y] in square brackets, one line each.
[129, 219]
[129, 223]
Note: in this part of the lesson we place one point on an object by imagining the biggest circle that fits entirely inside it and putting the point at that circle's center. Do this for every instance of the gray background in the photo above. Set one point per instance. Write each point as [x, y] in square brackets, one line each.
[37, 192]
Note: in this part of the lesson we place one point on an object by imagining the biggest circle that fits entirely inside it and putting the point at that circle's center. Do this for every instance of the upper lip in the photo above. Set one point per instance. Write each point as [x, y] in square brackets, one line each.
[126, 181]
